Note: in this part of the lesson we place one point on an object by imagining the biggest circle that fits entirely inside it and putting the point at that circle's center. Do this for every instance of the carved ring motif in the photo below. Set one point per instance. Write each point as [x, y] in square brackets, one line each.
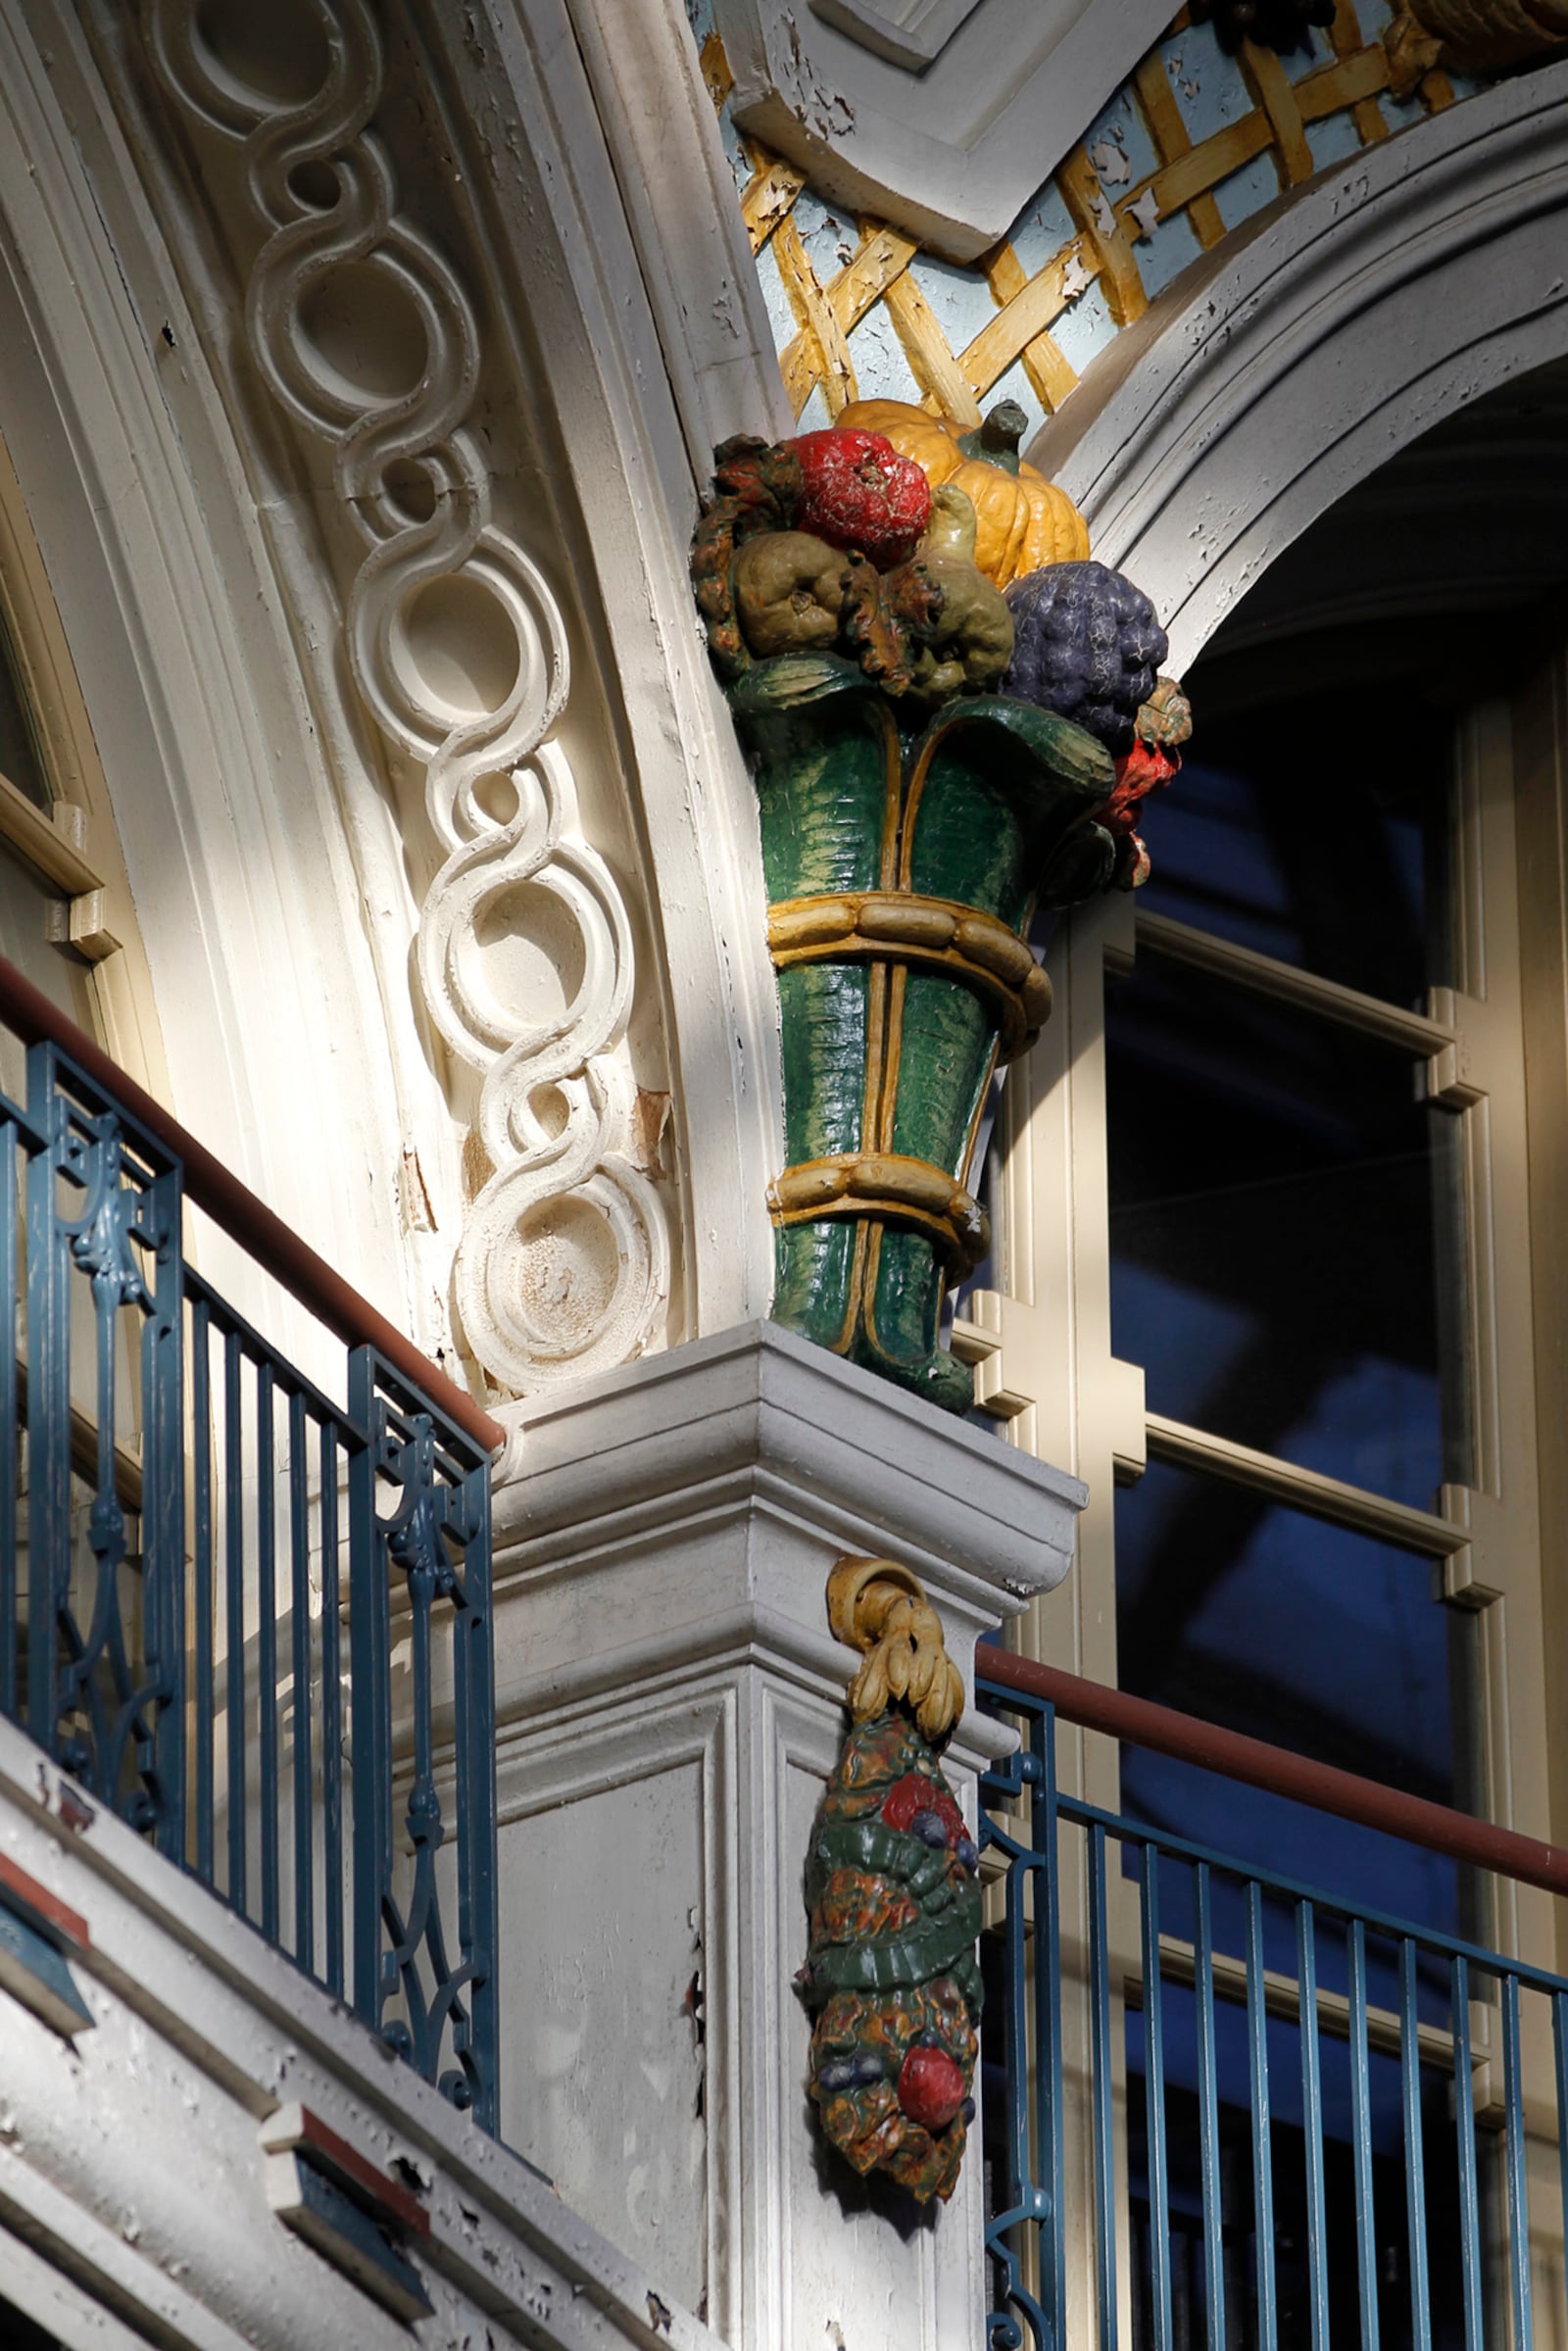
[562, 1263]
[939, 934]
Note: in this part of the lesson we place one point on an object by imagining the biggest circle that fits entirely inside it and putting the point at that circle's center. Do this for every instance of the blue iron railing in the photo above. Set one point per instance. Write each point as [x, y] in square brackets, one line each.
[252, 1619]
[1302, 2119]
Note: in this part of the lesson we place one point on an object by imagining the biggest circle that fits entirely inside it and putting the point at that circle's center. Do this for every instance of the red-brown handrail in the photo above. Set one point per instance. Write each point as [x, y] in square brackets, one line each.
[1279, 1773]
[227, 1202]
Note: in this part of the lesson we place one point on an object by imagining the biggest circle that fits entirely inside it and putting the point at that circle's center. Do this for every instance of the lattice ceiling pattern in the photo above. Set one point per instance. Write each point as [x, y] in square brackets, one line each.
[1189, 149]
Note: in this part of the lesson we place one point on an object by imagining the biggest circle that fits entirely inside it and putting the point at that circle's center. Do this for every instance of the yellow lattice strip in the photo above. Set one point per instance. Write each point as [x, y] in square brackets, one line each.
[1112, 251]
[1051, 375]
[768, 196]
[929, 352]
[863, 282]
[1022, 322]
[1172, 140]
[713, 66]
[1271, 86]
[824, 351]
[1346, 42]
[1352, 82]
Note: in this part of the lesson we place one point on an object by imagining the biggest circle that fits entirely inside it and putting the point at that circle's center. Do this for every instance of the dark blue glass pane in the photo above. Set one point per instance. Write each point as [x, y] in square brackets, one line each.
[1295, 1631]
[20, 762]
[1312, 833]
[1276, 1217]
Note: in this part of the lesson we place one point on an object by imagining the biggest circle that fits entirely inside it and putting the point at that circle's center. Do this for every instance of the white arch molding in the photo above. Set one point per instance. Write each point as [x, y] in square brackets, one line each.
[1346, 321]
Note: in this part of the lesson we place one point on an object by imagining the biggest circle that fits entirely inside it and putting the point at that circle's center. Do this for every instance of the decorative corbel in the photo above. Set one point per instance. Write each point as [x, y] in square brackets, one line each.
[892, 1978]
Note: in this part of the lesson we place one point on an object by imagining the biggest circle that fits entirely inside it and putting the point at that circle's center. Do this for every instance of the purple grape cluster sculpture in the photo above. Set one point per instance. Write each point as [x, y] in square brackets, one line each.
[1086, 645]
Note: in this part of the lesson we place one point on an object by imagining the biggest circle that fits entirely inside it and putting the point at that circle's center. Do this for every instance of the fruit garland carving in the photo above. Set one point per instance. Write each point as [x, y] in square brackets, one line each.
[892, 1978]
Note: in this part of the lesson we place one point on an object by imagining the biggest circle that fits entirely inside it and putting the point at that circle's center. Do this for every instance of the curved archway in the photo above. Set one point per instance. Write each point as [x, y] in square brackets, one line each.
[1342, 324]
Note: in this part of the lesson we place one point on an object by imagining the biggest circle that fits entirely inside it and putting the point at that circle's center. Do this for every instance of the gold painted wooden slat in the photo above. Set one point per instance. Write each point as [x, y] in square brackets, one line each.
[1210, 162]
[885, 252]
[1272, 89]
[1119, 275]
[1022, 322]
[769, 195]
[849, 296]
[819, 354]
[1332, 90]
[1052, 374]
[1346, 40]
[929, 352]
[1172, 140]
[713, 66]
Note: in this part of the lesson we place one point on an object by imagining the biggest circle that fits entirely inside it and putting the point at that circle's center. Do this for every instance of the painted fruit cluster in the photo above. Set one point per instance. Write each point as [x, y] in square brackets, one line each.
[1021, 519]
[892, 1980]
[1087, 645]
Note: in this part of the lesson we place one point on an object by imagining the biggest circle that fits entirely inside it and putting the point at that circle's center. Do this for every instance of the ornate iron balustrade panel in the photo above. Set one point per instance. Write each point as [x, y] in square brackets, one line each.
[1301, 2119]
[211, 1572]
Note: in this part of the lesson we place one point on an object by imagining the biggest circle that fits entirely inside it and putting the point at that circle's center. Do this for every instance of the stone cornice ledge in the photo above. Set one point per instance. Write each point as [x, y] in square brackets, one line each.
[758, 1411]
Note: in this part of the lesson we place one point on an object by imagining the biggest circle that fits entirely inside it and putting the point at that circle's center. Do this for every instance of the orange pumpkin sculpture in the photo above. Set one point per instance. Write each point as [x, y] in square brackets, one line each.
[1021, 519]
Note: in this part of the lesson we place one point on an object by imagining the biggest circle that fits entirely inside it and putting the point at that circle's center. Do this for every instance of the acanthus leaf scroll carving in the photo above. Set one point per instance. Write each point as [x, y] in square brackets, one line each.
[562, 1265]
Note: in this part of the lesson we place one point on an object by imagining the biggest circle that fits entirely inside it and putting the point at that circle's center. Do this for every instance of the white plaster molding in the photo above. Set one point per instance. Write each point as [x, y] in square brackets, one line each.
[1344, 322]
[907, 32]
[947, 145]
[366, 335]
[678, 193]
[137, 2160]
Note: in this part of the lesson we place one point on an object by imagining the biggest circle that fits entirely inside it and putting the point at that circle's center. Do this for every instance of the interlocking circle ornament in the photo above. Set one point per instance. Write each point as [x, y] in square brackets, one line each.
[366, 336]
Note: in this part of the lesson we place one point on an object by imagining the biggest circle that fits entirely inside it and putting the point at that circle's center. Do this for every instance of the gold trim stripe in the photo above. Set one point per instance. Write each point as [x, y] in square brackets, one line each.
[934, 934]
[888, 1188]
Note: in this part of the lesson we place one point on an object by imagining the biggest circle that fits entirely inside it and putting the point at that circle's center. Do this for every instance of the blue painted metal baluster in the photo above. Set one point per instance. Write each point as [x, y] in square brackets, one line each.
[1518, 2182]
[201, 1417]
[1017, 2199]
[163, 1388]
[331, 1717]
[1416, 2183]
[1366, 2234]
[369, 1697]
[266, 1643]
[1312, 2106]
[1559, 2047]
[1100, 2064]
[1465, 2124]
[48, 1402]
[299, 1548]
[234, 1609]
[10, 1421]
[478, 1873]
[1047, 1898]
[1155, 2103]
[1208, 2115]
[130, 1707]
[1262, 2150]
